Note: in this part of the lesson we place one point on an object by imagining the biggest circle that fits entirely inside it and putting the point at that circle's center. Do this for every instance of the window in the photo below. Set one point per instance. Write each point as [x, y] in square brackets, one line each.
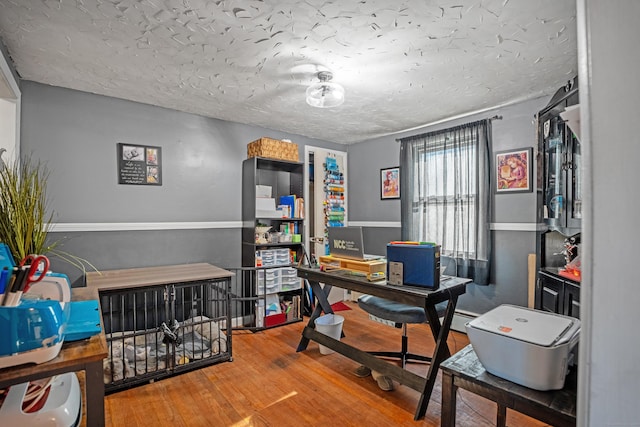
[447, 202]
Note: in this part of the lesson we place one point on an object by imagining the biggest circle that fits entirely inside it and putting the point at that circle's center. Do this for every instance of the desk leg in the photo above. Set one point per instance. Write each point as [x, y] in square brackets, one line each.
[501, 417]
[434, 324]
[441, 352]
[94, 391]
[448, 410]
[321, 294]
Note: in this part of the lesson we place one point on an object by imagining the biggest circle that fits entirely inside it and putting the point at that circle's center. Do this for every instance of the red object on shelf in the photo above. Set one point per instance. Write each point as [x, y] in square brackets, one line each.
[275, 319]
[571, 274]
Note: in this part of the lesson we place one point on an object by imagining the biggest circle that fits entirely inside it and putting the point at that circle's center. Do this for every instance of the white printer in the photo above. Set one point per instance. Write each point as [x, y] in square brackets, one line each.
[529, 347]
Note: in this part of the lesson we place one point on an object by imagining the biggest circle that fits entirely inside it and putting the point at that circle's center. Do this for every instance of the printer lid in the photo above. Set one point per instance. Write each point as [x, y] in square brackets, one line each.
[521, 323]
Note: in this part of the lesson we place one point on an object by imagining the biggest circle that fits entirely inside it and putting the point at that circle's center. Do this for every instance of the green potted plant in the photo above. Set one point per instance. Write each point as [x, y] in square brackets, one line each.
[25, 220]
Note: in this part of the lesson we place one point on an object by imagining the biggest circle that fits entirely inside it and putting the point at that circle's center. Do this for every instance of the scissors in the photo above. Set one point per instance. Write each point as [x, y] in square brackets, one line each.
[33, 262]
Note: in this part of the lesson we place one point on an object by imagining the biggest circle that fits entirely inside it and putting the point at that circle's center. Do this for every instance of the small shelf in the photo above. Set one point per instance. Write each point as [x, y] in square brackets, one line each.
[285, 219]
[264, 245]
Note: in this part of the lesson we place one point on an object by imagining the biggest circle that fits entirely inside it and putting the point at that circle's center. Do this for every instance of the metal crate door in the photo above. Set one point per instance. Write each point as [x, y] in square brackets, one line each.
[136, 348]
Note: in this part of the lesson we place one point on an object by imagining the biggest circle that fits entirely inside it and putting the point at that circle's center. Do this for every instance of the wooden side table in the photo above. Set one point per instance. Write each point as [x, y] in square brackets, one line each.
[464, 370]
[85, 355]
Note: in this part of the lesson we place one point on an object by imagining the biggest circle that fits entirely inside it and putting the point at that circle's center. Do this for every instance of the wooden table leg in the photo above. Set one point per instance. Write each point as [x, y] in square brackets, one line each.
[440, 354]
[501, 417]
[448, 410]
[94, 393]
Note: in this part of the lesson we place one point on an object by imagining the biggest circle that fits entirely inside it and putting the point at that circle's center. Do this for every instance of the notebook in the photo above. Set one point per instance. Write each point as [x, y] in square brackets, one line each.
[347, 242]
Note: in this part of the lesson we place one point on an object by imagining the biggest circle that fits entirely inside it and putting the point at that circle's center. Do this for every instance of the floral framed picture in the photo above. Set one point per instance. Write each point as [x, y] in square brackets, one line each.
[390, 183]
[514, 171]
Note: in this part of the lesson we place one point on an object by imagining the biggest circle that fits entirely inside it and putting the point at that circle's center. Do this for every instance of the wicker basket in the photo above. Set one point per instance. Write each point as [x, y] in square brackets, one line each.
[273, 149]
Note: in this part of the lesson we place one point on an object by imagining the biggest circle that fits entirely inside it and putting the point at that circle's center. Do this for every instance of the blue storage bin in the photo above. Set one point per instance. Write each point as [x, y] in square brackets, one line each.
[420, 264]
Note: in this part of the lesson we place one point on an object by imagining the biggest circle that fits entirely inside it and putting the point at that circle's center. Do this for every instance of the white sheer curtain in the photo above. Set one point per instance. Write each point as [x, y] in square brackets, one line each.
[446, 196]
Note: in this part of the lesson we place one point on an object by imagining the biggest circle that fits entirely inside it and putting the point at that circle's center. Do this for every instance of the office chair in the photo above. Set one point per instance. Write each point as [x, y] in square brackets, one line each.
[401, 315]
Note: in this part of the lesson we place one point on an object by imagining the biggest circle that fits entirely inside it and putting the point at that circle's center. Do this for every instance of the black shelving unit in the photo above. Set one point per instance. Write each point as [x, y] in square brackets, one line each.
[268, 274]
[561, 178]
[559, 203]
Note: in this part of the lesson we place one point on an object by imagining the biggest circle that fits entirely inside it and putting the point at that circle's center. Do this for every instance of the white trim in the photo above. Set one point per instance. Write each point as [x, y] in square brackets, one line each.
[517, 226]
[460, 318]
[5, 69]
[140, 226]
[498, 226]
[380, 224]
[8, 77]
[308, 149]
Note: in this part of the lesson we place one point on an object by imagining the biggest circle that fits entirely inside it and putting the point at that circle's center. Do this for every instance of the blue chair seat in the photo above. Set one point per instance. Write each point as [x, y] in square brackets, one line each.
[392, 310]
[401, 315]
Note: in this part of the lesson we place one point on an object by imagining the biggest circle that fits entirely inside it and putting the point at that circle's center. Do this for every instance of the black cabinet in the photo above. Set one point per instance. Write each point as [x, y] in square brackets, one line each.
[558, 295]
[571, 299]
[559, 200]
[561, 177]
[273, 292]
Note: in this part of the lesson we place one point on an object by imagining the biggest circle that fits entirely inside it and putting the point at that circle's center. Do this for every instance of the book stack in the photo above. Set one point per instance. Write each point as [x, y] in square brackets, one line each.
[291, 206]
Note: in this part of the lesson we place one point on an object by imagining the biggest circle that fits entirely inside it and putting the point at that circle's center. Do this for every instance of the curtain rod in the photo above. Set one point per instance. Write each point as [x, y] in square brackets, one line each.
[422, 135]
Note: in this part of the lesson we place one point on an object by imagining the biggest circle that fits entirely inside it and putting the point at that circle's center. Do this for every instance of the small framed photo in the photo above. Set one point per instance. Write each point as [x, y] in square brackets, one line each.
[514, 171]
[390, 183]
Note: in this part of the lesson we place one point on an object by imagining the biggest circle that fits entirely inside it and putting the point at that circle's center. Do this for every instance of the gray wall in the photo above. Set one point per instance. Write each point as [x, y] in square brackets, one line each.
[510, 248]
[76, 134]
[609, 58]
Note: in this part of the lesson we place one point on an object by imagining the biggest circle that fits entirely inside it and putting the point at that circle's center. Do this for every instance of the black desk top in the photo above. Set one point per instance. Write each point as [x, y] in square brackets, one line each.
[413, 295]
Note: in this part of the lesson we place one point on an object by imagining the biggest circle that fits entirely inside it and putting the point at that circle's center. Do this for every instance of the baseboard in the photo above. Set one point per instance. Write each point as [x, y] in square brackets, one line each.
[237, 322]
[460, 318]
[457, 323]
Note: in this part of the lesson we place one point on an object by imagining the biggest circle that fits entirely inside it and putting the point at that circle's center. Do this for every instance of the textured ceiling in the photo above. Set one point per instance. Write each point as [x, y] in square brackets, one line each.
[403, 64]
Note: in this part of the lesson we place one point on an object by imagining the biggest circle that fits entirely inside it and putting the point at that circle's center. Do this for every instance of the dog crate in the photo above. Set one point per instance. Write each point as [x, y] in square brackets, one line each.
[154, 330]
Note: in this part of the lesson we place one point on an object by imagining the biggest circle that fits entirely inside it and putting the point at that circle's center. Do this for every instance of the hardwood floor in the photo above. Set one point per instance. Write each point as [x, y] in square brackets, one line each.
[269, 384]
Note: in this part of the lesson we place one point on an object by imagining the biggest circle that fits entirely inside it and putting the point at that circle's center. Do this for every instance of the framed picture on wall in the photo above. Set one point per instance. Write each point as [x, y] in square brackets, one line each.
[390, 183]
[139, 164]
[514, 171]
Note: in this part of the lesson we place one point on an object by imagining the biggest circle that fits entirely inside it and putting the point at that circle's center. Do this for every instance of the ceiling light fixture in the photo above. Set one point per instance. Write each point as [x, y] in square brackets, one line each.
[325, 94]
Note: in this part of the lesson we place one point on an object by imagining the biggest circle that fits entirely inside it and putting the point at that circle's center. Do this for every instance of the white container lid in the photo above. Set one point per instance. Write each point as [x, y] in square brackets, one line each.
[533, 326]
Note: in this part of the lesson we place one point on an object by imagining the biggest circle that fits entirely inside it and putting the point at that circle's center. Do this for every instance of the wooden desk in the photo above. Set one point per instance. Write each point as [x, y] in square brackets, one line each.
[464, 370]
[74, 356]
[412, 295]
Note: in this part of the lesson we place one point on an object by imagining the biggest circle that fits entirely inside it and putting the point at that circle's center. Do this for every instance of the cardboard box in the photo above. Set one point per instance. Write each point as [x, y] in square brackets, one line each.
[417, 265]
[263, 191]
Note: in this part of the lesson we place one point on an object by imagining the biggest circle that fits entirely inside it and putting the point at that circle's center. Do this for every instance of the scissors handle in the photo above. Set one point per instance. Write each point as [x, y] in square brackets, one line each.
[34, 261]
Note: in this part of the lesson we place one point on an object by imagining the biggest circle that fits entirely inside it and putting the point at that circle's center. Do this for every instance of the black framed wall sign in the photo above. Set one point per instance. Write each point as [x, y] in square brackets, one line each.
[139, 164]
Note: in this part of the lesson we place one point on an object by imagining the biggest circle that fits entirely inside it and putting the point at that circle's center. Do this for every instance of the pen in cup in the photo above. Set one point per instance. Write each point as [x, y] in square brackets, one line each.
[4, 279]
[11, 282]
[13, 291]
